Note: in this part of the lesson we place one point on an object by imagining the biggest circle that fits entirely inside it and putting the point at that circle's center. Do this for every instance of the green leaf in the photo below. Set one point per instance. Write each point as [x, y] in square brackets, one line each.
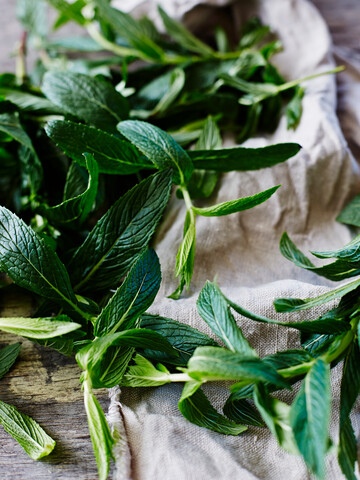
[76, 209]
[321, 325]
[293, 109]
[31, 263]
[252, 33]
[183, 37]
[70, 10]
[77, 179]
[243, 159]
[159, 147]
[8, 355]
[186, 246]
[144, 374]
[100, 434]
[350, 387]
[29, 102]
[121, 234]
[91, 99]
[233, 206]
[289, 359]
[26, 431]
[296, 304]
[183, 338]
[310, 415]
[351, 213]
[134, 296]
[113, 155]
[94, 359]
[336, 271]
[195, 407]
[241, 411]
[134, 32]
[210, 137]
[10, 124]
[350, 252]
[276, 415]
[38, 327]
[215, 363]
[32, 15]
[214, 310]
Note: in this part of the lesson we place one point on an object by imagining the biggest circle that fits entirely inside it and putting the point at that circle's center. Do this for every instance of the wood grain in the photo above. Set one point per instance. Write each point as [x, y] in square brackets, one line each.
[43, 383]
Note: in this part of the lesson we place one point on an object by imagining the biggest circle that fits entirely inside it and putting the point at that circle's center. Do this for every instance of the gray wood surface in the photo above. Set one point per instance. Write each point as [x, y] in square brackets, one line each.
[43, 383]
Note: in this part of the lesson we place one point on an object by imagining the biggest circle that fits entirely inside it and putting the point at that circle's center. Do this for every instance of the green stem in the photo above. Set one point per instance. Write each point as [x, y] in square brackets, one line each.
[294, 83]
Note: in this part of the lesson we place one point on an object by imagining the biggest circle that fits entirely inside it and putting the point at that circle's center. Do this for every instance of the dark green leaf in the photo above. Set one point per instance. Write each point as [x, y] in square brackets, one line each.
[336, 271]
[182, 337]
[310, 415]
[195, 407]
[90, 99]
[214, 310]
[159, 147]
[241, 411]
[30, 262]
[134, 32]
[241, 158]
[293, 110]
[8, 355]
[69, 10]
[121, 234]
[10, 124]
[351, 213]
[296, 304]
[26, 431]
[76, 209]
[29, 102]
[113, 155]
[134, 296]
[233, 206]
[350, 387]
[182, 36]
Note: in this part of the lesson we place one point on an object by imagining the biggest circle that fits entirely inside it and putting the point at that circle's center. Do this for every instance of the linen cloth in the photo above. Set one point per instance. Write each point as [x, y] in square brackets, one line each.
[242, 250]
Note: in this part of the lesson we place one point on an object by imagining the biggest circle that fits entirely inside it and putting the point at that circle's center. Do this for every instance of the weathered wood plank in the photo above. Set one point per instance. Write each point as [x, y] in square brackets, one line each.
[45, 385]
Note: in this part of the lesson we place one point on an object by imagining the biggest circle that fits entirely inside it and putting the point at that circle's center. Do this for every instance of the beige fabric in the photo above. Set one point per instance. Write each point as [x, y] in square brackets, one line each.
[242, 250]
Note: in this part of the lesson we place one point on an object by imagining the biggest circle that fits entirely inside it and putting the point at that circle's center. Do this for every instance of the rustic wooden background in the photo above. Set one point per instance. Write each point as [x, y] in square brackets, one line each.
[45, 384]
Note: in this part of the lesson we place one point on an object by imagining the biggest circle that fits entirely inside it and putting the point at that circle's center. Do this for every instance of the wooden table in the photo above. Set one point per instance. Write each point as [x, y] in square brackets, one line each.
[43, 383]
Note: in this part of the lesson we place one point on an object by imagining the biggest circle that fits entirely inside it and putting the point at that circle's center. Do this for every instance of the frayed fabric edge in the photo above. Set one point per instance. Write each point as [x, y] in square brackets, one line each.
[121, 449]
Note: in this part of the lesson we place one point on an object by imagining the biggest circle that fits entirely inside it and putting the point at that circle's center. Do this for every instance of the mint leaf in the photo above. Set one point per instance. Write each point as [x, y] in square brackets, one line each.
[350, 252]
[233, 206]
[214, 310]
[183, 37]
[29, 102]
[121, 234]
[241, 411]
[8, 355]
[38, 328]
[144, 374]
[134, 296]
[78, 208]
[293, 109]
[69, 10]
[350, 387]
[134, 32]
[309, 417]
[276, 415]
[296, 304]
[31, 263]
[113, 155]
[350, 215]
[241, 158]
[215, 363]
[90, 99]
[336, 271]
[100, 434]
[324, 324]
[26, 431]
[195, 407]
[183, 338]
[159, 147]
